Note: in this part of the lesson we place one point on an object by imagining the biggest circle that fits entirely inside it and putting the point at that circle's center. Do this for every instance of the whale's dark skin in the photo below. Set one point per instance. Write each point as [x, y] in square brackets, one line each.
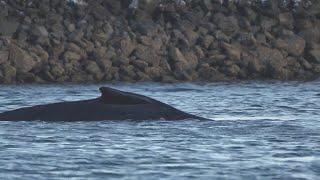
[111, 105]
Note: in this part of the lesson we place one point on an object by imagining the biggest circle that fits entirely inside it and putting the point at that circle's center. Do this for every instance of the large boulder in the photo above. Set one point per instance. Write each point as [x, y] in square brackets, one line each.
[246, 39]
[4, 11]
[128, 72]
[286, 19]
[228, 24]
[40, 52]
[315, 8]
[56, 70]
[147, 28]
[70, 56]
[154, 73]
[176, 56]
[183, 65]
[141, 65]
[191, 35]
[208, 73]
[207, 4]
[39, 31]
[266, 54]
[233, 52]
[103, 36]
[125, 47]
[315, 55]
[26, 77]
[251, 62]
[120, 60]
[232, 70]
[293, 44]
[40, 35]
[21, 59]
[104, 63]
[148, 55]
[4, 55]
[207, 41]
[92, 68]
[220, 36]
[8, 27]
[274, 62]
[296, 45]
[192, 59]
[311, 35]
[76, 49]
[8, 73]
[267, 23]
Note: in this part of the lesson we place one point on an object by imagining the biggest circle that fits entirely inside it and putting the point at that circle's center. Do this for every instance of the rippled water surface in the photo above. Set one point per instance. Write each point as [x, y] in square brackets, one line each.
[258, 131]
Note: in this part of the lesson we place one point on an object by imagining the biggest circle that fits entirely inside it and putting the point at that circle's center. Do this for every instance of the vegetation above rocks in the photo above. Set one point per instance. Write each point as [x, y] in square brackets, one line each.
[102, 40]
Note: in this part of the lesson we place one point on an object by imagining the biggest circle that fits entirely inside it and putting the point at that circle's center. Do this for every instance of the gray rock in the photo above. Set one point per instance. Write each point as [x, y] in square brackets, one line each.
[21, 59]
[147, 28]
[39, 31]
[274, 62]
[191, 35]
[207, 41]
[128, 71]
[120, 60]
[208, 73]
[76, 36]
[315, 55]
[142, 76]
[182, 65]
[286, 19]
[8, 27]
[71, 27]
[9, 73]
[233, 70]
[228, 25]
[140, 64]
[70, 56]
[40, 52]
[4, 11]
[147, 54]
[306, 64]
[40, 35]
[233, 52]
[92, 68]
[76, 49]
[311, 35]
[267, 24]
[221, 36]
[125, 47]
[26, 77]
[57, 70]
[104, 63]
[154, 73]
[296, 45]
[208, 4]
[4, 55]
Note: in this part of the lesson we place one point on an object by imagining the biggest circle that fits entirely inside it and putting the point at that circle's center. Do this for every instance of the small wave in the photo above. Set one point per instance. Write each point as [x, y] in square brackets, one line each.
[182, 90]
[244, 118]
[286, 107]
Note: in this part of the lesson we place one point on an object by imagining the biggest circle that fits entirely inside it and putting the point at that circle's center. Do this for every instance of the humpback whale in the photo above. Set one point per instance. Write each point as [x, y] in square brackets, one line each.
[113, 104]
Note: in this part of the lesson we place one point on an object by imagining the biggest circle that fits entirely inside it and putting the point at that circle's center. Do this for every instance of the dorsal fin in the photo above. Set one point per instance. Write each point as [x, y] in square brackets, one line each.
[114, 96]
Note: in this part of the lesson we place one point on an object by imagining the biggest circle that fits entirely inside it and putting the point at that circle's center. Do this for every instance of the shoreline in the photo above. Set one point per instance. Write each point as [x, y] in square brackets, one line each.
[197, 82]
[202, 42]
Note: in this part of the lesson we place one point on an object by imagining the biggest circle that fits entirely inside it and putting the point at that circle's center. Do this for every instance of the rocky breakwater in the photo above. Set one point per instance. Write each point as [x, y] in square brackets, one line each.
[59, 41]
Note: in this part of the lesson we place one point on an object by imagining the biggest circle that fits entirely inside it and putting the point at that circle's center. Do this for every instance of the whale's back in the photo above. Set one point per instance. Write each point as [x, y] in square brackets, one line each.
[112, 105]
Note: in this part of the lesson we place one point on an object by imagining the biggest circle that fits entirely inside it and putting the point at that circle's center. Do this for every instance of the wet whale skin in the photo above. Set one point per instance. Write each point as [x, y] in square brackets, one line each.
[111, 105]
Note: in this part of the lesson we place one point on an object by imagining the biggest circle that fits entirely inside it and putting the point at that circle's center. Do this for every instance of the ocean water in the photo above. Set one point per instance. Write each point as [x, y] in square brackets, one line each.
[259, 130]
